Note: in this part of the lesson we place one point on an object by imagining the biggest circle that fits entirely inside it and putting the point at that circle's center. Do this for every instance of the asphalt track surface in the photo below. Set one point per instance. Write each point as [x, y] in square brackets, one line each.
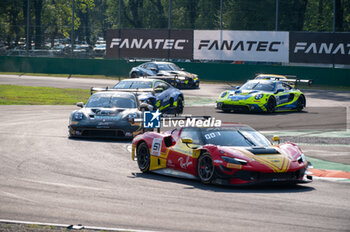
[46, 177]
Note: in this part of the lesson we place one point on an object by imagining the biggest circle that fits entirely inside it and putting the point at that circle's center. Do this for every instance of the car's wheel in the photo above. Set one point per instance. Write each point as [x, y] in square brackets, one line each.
[134, 75]
[205, 168]
[271, 105]
[143, 157]
[226, 110]
[301, 103]
[180, 105]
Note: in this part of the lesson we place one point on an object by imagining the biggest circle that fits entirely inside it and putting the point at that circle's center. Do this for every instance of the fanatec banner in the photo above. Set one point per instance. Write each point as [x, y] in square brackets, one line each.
[150, 43]
[263, 46]
[326, 48]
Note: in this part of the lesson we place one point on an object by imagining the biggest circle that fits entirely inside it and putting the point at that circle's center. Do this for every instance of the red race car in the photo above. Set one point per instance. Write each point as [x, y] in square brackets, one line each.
[235, 155]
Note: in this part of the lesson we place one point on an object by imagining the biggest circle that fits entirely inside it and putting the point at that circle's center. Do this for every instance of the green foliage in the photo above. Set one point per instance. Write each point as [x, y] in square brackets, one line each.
[94, 17]
[249, 15]
[208, 15]
[58, 15]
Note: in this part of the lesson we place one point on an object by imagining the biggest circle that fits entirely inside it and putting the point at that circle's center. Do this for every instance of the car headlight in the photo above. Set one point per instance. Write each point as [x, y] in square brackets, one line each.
[78, 116]
[234, 160]
[259, 96]
[182, 78]
[223, 94]
[133, 115]
[302, 159]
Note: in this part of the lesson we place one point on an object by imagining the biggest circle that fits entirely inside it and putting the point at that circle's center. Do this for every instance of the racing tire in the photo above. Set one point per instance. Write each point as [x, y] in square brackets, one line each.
[271, 105]
[226, 110]
[205, 168]
[134, 75]
[143, 157]
[300, 103]
[180, 105]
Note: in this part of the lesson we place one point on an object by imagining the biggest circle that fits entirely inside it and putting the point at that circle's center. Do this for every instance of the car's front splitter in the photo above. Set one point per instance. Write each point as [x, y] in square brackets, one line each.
[227, 176]
[103, 132]
[186, 85]
[240, 107]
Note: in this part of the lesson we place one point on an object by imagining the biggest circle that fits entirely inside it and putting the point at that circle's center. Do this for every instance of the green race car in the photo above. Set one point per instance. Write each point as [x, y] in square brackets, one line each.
[262, 96]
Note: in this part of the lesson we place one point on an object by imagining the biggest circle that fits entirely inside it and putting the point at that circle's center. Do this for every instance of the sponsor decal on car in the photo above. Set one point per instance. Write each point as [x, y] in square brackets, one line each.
[170, 163]
[109, 118]
[156, 147]
[218, 161]
[184, 163]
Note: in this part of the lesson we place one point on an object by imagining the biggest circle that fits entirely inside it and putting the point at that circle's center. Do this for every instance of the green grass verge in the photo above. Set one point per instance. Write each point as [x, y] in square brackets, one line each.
[64, 75]
[24, 95]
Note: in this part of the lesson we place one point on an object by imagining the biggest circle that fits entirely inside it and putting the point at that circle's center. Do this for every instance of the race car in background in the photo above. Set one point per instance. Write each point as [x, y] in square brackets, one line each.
[290, 79]
[168, 72]
[107, 114]
[262, 95]
[157, 93]
[237, 155]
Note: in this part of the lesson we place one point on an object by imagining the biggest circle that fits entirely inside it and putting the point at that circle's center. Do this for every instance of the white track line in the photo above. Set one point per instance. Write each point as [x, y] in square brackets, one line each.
[77, 226]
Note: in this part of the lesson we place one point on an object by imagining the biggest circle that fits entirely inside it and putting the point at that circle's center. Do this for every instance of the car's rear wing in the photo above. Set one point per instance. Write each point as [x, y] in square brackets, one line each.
[288, 78]
[296, 81]
[272, 76]
[139, 60]
[96, 89]
[174, 76]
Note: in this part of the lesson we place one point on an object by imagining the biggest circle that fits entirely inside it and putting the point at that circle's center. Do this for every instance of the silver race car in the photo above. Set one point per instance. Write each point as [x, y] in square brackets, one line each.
[107, 114]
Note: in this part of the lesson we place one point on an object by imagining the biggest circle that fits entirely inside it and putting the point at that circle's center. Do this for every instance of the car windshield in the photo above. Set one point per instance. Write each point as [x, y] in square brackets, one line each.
[110, 101]
[133, 85]
[168, 67]
[258, 85]
[240, 136]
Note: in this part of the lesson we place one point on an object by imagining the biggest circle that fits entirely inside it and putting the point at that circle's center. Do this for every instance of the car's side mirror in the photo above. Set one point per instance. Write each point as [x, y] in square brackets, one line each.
[276, 139]
[279, 90]
[182, 69]
[80, 104]
[145, 106]
[154, 69]
[187, 140]
[158, 90]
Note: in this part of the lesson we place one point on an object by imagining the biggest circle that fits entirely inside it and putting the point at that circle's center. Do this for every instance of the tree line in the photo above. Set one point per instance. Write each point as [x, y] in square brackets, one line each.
[52, 19]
